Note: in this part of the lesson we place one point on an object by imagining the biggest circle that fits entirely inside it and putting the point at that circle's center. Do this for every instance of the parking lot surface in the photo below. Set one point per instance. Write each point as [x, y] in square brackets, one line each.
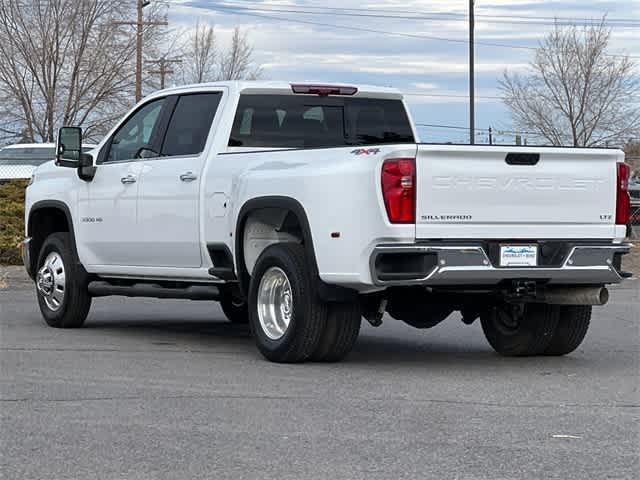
[156, 389]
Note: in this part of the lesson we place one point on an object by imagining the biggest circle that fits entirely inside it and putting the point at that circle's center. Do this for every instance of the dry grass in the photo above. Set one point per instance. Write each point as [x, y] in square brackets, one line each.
[11, 220]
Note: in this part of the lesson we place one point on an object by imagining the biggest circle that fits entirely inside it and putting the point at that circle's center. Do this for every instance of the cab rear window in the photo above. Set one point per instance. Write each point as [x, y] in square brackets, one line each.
[291, 121]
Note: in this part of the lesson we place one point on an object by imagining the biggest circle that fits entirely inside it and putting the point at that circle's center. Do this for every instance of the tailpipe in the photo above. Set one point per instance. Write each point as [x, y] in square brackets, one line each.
[575, 296]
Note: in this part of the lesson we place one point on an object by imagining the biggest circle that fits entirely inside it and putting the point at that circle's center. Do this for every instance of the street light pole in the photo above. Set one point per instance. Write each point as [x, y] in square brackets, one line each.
[472, 93]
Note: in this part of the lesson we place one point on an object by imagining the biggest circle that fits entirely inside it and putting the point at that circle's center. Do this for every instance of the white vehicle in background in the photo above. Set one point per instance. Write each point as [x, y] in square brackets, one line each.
[302, 208]
[19, 161]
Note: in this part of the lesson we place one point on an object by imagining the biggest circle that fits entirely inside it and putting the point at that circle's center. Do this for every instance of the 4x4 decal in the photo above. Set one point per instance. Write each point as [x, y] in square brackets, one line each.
[365, 151]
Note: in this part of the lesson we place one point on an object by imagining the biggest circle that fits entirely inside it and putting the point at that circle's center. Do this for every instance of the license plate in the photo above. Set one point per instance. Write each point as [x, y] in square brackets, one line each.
[518, 255]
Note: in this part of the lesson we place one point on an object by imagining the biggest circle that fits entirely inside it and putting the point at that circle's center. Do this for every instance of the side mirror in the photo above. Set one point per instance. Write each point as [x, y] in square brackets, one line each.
[69, 147]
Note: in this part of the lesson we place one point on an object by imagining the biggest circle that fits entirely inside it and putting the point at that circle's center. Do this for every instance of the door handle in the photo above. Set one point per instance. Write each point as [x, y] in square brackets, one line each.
[128, 179]
[188, 177]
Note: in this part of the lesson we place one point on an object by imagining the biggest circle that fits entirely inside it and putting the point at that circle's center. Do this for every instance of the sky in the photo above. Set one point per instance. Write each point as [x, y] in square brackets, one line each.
[423, 51]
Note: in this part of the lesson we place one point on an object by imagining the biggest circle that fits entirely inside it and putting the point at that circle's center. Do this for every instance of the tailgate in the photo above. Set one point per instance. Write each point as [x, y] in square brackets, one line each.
[486, 192]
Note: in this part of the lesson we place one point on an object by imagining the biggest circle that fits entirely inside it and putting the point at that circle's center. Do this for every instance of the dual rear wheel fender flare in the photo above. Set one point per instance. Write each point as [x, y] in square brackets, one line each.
[279, 202]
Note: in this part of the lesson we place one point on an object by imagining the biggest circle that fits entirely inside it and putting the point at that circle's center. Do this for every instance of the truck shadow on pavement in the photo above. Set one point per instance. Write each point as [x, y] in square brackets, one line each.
[220, 337]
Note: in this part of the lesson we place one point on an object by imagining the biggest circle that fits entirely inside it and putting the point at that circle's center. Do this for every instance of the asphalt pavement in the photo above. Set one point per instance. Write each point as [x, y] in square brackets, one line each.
[153, 389]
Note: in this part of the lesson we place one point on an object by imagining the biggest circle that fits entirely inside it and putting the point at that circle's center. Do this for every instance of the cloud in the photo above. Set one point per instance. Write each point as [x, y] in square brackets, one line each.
[397, 65]
[290, 50]
[424, 86]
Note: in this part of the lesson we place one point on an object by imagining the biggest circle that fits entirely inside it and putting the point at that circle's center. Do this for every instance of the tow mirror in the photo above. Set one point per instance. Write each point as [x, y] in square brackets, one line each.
[69, 148]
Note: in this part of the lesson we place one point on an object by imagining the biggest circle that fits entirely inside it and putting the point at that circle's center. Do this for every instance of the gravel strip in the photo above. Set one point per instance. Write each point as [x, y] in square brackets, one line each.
[13, 277]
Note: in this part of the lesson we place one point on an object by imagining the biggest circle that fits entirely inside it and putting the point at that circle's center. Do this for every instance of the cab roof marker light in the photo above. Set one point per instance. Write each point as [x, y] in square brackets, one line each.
[323, 90]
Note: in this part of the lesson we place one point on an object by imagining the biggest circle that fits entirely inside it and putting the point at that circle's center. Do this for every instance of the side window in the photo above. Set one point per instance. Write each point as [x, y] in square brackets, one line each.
[190, 124]
[136, 132]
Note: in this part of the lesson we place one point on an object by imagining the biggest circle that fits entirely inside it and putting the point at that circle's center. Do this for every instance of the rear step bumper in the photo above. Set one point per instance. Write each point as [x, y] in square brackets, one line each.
[469, 264]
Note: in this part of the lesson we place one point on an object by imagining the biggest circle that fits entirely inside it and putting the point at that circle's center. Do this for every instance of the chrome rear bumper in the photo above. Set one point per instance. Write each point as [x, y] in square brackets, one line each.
[469, 264]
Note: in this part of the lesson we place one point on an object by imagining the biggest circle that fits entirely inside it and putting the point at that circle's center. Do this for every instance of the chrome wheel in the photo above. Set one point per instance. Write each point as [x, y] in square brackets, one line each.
[51, 281]
[275, 303]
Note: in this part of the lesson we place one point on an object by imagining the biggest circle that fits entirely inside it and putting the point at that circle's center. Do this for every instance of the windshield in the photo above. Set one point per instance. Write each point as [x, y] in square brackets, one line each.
[26, 155]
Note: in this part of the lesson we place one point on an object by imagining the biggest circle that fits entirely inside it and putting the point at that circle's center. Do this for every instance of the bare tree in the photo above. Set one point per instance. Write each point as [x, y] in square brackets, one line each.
[204, 60]
[65, 62]
[201, 61]
[574, 93]
[236, 64]
[632, 155]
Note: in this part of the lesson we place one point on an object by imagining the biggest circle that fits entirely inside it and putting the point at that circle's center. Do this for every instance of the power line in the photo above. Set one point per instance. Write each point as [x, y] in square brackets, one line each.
[484, 130]
[439, 13]
[249, 12]
[417, 16]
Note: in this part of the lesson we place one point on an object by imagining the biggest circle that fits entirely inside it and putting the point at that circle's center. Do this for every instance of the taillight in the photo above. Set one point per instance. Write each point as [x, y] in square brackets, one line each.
[399, 189]
[623, 201]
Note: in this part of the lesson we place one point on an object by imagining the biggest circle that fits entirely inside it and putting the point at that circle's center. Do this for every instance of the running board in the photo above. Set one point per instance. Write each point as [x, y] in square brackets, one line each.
[150, 290]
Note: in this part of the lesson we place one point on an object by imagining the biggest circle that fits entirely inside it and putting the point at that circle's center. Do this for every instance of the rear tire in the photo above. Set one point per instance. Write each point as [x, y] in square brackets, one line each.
[529, 335]
[68, 303]
[286, 315]
[571, 329]
[340, 333]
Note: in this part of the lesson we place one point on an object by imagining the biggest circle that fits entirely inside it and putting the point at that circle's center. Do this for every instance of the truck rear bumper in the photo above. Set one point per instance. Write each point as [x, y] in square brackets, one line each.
[471, 263]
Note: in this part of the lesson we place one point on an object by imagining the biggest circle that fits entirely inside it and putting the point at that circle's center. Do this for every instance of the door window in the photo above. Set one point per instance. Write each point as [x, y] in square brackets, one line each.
[190, 124]
[136, 133]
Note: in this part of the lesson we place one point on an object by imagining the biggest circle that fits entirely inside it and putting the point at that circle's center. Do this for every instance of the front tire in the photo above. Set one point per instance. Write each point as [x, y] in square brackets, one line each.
[527, 335]
[286, 315]
[571, 329]
[61, 285]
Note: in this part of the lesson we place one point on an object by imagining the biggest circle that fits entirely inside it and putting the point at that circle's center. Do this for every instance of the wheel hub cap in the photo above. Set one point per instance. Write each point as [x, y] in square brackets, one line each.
[51, 281]
[275, 303]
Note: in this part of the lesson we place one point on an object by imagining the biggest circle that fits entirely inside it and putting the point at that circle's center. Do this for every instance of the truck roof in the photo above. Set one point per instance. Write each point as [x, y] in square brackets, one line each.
[280, 87]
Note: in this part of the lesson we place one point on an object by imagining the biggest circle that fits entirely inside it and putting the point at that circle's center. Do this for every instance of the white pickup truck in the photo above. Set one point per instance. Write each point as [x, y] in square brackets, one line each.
[303, 208]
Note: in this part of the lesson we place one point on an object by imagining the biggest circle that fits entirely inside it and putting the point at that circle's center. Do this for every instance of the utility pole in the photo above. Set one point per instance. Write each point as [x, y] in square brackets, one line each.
[140, 4]
[140, 24]
[163, 71]
[472, 93]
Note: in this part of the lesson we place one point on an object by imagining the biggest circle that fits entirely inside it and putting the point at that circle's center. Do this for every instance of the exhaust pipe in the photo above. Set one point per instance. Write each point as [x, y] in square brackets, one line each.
[575, 296]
